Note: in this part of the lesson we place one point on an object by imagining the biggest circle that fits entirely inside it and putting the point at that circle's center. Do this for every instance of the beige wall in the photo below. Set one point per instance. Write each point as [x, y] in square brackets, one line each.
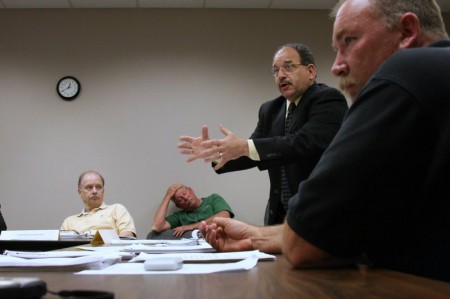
[148, 76]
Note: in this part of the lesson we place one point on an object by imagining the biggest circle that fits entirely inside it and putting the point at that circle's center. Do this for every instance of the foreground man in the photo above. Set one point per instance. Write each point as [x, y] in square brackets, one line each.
[380, 189]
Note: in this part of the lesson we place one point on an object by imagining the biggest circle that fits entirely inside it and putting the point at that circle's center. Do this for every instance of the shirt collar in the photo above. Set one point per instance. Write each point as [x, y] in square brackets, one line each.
[84, 213]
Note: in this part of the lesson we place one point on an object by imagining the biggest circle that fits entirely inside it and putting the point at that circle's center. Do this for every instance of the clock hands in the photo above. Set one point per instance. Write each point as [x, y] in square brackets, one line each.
[68, 87]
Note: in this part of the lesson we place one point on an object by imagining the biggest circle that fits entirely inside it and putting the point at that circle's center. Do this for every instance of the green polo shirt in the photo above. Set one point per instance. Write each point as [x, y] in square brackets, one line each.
[211, 205]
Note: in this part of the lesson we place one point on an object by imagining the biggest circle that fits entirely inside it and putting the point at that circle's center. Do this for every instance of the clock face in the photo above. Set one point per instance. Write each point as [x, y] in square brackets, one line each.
[68, 88]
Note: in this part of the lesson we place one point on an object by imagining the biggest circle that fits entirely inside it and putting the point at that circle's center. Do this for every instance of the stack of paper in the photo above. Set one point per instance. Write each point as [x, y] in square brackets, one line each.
[12, 263]
[164, 248]
[180, 242]
[197, 255]
[138, 268]
[71, 234]
[208, 257]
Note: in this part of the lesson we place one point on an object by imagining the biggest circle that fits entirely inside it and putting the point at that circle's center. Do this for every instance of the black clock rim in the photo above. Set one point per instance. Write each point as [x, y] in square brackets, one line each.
[71, 97]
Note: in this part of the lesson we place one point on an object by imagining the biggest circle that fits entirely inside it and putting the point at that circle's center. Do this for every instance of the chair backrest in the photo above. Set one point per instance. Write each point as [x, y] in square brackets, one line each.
[2, 221]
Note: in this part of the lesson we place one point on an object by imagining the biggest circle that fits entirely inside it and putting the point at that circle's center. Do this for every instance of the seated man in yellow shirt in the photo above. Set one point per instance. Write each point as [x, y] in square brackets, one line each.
[96, 214]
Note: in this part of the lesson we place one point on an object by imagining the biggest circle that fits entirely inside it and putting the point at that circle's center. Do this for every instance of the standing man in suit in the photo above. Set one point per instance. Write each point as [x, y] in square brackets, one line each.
[290, 152]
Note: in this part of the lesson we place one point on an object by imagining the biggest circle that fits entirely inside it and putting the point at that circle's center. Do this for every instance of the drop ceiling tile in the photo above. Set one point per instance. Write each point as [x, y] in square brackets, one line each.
[103, 3]
[36, 3]
[303, 4]
[237, 3]
[171, 3]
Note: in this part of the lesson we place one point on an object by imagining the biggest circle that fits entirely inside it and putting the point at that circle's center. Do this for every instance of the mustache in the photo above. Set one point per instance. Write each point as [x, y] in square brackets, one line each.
[285, 82]
[344, 81]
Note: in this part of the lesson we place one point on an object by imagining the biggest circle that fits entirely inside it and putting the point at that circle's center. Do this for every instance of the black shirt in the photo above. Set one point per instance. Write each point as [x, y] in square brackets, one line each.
[381, 188]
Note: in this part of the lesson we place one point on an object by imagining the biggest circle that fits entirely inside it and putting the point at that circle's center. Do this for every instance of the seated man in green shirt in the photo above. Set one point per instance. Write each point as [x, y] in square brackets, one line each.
[193, 210]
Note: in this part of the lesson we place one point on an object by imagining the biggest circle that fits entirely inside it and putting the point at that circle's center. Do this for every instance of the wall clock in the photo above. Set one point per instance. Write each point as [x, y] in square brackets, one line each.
[68, 88]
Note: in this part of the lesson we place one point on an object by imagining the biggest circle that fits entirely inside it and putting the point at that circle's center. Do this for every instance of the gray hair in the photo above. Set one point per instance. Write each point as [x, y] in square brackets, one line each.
[306, 56]
[427, 11]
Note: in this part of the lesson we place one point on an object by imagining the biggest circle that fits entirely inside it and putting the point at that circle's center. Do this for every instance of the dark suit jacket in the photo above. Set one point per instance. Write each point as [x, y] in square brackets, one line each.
[314, 123]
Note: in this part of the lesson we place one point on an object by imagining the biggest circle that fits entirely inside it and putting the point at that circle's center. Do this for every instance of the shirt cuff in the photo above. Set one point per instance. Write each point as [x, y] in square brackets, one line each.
[252, 152]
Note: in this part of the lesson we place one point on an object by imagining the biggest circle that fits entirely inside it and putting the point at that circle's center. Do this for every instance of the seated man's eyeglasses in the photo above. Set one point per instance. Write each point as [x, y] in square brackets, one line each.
[287, 67]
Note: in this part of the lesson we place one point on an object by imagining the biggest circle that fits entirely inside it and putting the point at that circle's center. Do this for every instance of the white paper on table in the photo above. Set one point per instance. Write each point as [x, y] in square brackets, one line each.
[179, 242]
[65, 253]
[207, 257]
[8, 263]
[30, 235]
[138, 268]
[157, 248]
[138, 248]
[47, 254]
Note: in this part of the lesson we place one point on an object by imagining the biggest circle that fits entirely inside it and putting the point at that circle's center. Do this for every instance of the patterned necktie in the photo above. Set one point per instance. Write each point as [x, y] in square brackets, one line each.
[285, 191]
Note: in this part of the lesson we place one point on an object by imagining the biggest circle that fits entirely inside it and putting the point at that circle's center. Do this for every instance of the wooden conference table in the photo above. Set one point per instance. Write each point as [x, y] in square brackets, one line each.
[269, 279]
